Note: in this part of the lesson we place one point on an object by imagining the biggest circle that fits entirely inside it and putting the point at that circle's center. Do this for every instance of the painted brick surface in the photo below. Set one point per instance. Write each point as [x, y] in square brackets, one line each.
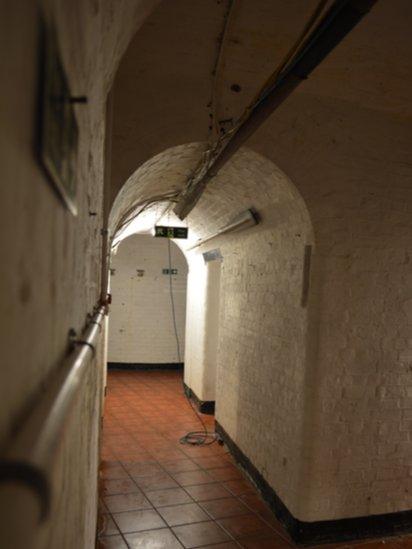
[51, 261]
[141, 322]
[263, 327]
[358, 377]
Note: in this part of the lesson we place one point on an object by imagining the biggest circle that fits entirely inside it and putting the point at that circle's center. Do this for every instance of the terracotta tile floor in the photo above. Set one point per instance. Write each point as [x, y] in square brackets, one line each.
[157, 493]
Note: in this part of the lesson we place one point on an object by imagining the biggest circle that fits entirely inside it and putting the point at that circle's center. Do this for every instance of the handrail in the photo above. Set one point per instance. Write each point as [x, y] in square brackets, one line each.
[33, 449]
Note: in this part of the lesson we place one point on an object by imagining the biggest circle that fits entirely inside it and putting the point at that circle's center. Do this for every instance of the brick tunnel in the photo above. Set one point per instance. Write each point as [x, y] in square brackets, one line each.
[263, 315]
[278, 134]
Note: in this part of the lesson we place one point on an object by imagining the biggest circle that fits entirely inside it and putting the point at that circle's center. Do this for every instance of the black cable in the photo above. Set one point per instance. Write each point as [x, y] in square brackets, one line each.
[172, 301]
[195, 438]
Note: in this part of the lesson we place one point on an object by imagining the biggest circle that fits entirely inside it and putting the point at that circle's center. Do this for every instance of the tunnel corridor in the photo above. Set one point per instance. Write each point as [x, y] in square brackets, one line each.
[211, 197]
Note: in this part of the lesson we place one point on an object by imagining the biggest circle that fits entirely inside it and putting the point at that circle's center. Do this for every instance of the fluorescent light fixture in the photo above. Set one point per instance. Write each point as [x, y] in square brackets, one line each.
[246, 219]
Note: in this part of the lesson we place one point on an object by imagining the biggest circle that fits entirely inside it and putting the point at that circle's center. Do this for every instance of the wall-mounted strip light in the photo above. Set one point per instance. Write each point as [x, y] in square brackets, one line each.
[246, 219]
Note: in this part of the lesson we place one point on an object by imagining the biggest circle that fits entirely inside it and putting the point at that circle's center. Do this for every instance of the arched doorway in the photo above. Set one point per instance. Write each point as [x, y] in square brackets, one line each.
[248, 326]
[148, 312]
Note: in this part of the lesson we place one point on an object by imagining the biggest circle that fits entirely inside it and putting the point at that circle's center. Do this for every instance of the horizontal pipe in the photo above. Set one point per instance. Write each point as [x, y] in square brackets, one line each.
[340, 19]
[28, 460]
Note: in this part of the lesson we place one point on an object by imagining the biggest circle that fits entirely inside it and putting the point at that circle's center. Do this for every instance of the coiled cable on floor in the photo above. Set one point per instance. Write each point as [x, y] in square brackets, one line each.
[200, 438]
[195, 438]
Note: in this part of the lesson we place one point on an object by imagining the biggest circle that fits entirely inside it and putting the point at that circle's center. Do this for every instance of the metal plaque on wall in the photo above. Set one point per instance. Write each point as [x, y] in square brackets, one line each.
[58, 130]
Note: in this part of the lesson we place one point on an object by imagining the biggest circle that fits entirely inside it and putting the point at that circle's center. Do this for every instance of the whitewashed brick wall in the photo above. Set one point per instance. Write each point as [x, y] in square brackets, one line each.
[141, 324]
[354, 174]
[51, 260]
[263, 327]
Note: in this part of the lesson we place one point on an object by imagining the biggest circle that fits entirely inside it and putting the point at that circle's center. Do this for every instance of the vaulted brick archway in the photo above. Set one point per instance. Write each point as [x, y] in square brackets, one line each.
[255, 357]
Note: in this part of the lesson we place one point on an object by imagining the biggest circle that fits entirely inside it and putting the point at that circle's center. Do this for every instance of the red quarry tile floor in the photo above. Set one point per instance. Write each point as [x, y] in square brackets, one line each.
[157, 493]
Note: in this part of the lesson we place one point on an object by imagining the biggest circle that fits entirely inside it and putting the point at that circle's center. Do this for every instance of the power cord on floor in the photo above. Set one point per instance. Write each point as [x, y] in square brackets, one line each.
[195, 438]
[172, 302]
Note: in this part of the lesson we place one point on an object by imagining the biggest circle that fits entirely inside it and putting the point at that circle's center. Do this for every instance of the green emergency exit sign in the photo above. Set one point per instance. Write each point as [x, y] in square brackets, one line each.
[171, 232]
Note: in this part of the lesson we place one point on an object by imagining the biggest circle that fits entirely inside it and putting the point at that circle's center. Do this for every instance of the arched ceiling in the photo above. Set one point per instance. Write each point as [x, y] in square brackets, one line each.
[161, 174]
[249, 180]
[163, 88]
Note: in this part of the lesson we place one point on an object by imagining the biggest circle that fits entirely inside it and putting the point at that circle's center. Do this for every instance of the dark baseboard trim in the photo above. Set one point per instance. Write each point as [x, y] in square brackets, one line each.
[204, 406]
[325, 531]
[143, 366]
